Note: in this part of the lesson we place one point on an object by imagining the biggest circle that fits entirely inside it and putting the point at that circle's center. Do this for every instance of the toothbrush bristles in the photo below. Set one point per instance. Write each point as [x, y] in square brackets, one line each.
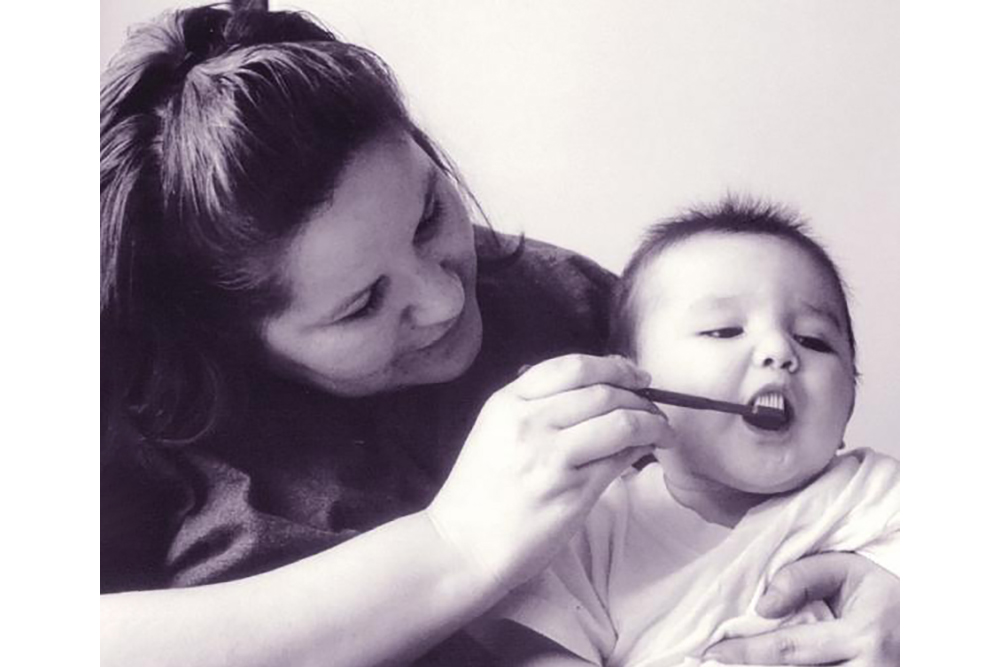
[772, 405]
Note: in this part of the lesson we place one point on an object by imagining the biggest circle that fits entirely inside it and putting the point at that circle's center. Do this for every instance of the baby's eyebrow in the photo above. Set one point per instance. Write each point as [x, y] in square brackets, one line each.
[714, 303]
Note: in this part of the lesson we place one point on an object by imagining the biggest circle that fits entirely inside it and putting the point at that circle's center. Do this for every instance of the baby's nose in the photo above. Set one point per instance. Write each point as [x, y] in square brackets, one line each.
[777, 351]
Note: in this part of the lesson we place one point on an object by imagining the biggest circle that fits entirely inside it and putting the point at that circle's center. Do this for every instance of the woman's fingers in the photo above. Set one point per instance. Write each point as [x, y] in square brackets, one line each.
[808, 644]
[578, 405]
[602, 472]
[537, 458]
[863, 596]
[573, 371]
[608, 434]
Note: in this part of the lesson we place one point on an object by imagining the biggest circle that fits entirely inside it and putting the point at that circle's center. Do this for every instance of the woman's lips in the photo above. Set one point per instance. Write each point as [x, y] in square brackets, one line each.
[449, 329]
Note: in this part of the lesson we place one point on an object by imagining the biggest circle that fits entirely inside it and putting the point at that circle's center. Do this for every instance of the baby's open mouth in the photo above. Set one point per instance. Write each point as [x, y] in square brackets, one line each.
[771, 411]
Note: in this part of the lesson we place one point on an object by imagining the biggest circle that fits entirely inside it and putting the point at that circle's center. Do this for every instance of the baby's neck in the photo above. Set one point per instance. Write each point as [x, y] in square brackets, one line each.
[712, 501]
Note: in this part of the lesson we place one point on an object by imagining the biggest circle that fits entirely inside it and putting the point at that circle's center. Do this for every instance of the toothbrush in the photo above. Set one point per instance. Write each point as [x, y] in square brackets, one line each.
[765, 416]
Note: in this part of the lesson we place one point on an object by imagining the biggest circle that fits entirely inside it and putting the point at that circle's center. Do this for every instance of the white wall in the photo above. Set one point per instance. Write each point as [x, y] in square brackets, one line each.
[580, 122]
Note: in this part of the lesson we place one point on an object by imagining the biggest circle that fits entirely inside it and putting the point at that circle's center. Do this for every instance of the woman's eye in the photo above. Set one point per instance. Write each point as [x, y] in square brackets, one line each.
[368, 307]
[813, 343]
[430, 223]
[725, 332]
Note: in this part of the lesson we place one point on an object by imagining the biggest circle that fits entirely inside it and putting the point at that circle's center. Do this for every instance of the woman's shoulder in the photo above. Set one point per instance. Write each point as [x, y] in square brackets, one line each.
[550, 293]
[543, 264]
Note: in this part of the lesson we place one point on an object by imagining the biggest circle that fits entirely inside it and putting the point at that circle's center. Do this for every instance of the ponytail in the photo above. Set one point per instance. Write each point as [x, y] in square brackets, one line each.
[159, 384]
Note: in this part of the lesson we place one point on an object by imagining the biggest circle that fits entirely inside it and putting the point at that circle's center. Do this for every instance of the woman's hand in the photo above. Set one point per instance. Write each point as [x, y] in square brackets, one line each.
[864, 598]
[541, 452]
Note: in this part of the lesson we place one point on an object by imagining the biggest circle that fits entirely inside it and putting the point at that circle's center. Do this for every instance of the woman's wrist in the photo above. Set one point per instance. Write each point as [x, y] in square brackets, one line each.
[466, 580]
[401, 581]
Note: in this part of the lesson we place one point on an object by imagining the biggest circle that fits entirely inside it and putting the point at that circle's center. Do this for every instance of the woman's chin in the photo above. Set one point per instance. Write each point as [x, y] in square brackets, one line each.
[450, 357]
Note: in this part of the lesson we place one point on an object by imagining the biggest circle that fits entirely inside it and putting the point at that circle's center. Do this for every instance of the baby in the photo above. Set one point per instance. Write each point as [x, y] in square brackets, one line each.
[735, 303]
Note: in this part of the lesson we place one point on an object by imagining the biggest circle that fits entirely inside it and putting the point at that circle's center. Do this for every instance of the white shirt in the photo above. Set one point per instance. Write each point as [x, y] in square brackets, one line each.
[649, 582]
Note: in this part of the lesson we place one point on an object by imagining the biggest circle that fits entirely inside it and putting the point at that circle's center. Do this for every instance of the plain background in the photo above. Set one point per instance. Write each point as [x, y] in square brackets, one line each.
[581, 122]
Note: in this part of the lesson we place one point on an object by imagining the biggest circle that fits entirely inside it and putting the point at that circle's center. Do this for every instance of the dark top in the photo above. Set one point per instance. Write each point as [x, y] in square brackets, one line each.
[309, 470]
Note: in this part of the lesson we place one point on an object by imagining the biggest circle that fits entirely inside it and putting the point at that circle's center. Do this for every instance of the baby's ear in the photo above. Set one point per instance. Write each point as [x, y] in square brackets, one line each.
[854, 398]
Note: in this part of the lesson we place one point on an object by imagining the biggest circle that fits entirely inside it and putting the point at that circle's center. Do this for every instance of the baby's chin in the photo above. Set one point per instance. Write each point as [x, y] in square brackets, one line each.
[774, 483]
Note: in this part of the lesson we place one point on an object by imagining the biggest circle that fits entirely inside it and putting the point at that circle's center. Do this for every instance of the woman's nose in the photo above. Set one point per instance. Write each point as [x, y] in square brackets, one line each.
[776, 351]
[437, 295]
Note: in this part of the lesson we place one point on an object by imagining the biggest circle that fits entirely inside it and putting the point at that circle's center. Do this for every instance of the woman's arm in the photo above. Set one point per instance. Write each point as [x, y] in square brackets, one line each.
[863, 596]
[385, 595]
[538, 457]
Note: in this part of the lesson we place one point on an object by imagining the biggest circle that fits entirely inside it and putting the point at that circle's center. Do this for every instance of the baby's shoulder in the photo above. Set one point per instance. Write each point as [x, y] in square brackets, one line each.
[866, 464]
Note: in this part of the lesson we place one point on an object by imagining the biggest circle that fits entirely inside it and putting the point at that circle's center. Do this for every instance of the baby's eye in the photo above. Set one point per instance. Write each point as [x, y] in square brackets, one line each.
[813, 343]
[724, 332]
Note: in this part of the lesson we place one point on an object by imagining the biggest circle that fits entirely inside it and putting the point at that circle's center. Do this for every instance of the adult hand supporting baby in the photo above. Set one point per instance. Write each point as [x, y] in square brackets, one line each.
[541, 452]
[864, 598]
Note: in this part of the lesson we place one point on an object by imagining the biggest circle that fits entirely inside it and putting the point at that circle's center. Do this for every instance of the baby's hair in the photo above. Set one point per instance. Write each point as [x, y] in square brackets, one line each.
[732, 215]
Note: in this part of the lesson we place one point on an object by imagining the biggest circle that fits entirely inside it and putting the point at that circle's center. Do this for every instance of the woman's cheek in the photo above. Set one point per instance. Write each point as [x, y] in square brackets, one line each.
[357, 353]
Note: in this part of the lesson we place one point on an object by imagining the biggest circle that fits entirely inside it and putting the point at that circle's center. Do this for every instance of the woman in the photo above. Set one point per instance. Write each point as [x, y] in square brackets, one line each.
[311, 405]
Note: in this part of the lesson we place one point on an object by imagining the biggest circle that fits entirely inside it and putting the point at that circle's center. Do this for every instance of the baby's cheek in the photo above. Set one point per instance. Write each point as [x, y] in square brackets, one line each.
[676, 369]
[844, 402]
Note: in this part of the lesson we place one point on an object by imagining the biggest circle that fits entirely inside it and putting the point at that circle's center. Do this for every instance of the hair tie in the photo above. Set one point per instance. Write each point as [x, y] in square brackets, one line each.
[187, 63]
[200, 36]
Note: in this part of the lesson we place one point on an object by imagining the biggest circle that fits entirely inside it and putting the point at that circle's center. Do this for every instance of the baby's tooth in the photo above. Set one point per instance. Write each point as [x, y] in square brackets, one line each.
[772, 399]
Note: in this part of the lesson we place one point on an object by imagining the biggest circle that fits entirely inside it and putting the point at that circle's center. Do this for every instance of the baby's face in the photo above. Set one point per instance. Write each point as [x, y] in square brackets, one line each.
[733, 317]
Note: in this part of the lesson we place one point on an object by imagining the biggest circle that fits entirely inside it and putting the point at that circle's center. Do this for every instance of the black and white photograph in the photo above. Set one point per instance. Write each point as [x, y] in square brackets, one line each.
[500, 333]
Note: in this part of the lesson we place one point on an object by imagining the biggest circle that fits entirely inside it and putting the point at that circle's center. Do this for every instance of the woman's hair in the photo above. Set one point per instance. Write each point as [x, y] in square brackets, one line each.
[733, 215]
[220, 131]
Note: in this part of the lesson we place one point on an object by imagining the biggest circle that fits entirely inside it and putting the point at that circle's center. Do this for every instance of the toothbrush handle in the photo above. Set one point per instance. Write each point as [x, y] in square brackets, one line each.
[696, 402]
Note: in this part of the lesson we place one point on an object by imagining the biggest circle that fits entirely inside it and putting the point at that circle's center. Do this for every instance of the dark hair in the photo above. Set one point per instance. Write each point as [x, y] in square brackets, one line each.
[220, 131]
[732, 215]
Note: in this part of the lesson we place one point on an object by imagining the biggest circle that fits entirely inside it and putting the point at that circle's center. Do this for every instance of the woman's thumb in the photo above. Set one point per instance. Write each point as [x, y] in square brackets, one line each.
[812, 578]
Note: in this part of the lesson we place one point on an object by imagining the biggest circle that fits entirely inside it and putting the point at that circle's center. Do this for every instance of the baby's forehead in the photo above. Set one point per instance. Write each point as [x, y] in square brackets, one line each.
[720, 268]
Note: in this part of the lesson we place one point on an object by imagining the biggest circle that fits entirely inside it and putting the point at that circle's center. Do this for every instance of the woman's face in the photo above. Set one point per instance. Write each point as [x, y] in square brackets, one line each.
[382, 279]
